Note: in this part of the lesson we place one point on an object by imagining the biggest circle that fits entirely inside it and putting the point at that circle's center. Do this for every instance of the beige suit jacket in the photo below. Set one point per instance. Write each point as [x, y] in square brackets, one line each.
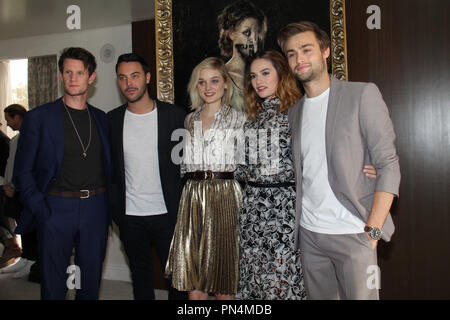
[358, 132]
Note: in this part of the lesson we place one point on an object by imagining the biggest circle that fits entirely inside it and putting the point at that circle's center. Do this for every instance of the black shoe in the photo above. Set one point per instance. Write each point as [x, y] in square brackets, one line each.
[34, 278]
[35, 273]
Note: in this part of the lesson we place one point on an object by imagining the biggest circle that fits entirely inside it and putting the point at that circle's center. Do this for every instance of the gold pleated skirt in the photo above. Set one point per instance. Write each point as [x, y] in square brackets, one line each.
[204, 253]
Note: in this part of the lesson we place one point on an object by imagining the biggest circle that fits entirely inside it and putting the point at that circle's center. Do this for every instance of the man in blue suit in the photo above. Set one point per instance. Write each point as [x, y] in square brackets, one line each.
[63, 169]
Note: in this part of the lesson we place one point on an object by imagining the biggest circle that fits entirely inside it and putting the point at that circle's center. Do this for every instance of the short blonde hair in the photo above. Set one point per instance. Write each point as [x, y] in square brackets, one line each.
[208, 63]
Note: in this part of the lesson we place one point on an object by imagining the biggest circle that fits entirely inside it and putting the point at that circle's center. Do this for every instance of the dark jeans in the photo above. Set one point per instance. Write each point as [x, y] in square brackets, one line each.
[138, 234]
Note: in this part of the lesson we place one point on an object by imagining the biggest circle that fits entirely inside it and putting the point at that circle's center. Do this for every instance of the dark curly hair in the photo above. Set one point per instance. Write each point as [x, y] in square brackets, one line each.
[230, 18]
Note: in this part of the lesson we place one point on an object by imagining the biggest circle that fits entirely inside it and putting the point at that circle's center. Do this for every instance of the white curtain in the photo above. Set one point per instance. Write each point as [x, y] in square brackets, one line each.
[5, 91]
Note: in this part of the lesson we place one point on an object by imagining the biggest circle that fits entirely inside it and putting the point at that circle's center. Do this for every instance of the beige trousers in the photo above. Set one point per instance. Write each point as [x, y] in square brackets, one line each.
[339, 266]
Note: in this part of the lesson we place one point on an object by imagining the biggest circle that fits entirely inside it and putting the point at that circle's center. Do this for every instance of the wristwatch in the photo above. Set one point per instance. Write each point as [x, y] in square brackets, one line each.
[374, 232]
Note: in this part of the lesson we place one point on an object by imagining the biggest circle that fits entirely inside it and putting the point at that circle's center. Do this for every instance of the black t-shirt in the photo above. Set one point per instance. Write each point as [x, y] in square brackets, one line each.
[79, 172]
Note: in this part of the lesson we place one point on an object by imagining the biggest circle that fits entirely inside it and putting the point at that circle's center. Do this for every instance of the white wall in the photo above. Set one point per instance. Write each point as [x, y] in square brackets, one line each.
[104, 93]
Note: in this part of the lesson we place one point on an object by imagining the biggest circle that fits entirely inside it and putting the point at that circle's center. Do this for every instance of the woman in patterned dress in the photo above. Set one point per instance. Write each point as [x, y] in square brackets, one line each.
[269, 266]
[204, 253]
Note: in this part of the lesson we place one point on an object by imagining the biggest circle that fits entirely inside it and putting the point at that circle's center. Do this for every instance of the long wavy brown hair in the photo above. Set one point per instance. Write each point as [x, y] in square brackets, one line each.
[287, 90]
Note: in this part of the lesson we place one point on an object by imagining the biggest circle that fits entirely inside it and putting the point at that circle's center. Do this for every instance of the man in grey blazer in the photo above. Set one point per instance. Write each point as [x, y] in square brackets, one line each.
[337, 128]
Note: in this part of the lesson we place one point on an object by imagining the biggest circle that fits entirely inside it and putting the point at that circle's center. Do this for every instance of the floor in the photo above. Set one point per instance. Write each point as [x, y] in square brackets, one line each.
[21, 289]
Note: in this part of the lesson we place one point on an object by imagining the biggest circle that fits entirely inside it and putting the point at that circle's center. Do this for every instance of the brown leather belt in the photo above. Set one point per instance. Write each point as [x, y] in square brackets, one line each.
[209, 175]
[82, 194]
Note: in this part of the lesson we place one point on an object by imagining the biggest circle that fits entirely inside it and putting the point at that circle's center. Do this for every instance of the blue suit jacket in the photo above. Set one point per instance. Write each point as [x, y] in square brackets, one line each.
[39, 157]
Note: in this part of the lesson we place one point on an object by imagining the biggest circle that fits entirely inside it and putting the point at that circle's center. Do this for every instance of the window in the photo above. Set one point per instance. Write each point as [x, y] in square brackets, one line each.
[18, 76]
[19, 81]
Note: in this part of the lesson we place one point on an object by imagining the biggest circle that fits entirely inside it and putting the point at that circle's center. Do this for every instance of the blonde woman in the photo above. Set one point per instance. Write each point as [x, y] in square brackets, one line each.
[204, 254]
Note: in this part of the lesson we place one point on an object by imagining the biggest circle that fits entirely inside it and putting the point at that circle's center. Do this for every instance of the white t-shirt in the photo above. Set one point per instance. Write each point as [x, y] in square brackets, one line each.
[144, 196]
[321, 210]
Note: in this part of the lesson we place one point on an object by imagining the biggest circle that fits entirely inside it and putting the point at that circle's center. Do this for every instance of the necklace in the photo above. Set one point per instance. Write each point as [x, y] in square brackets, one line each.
[76, 131]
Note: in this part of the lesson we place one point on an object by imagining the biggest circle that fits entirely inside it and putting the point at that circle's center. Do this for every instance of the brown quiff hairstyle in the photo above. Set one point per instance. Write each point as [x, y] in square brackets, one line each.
[295, 28]
[287, 89]
[81, 54]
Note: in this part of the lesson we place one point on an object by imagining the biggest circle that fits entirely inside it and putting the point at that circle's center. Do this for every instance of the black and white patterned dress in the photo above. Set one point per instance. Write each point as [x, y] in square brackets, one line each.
[269, 266]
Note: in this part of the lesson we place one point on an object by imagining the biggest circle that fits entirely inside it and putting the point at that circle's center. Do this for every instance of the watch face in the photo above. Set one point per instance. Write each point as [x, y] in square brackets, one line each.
[375, 234]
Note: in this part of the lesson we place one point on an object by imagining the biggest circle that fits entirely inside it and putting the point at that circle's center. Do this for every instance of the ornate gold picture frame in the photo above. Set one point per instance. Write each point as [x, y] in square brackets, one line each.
[165, 57]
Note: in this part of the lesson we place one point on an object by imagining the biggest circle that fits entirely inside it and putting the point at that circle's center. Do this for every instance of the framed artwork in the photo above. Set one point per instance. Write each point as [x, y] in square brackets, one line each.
[188, 31]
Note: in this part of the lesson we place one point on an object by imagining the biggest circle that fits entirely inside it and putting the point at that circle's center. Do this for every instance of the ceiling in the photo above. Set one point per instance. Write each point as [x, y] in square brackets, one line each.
[24, 18]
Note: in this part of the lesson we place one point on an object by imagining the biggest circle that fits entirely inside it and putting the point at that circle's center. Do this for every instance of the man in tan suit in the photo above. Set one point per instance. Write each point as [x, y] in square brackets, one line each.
[337, 128]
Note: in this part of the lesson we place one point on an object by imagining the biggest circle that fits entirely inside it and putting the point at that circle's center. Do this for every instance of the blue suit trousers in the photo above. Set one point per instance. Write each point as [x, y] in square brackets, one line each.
[67, 224]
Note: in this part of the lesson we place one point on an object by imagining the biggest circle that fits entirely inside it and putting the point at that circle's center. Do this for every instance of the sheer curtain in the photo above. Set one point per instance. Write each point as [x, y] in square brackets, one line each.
[5, 91]
[42, 80]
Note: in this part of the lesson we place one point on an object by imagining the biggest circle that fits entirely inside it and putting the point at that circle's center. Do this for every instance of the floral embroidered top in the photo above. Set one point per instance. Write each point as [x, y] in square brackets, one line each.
[268, 158]
[215, 150]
